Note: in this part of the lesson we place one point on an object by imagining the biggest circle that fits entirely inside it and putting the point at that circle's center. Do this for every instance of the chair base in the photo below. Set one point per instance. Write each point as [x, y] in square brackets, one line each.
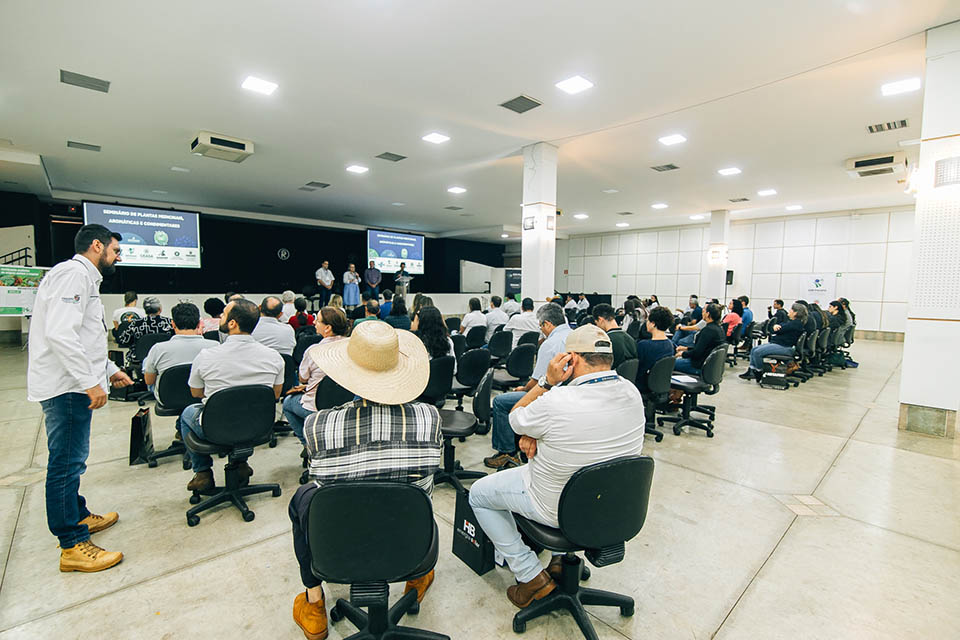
[649, 429]
[686, 420]
[453, 472]
[233, 492]
[381, 622]
[176, 448]
[571, 596]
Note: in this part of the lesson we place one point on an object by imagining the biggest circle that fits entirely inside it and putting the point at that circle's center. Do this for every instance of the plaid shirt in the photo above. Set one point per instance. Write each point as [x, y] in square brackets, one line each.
[363, 440]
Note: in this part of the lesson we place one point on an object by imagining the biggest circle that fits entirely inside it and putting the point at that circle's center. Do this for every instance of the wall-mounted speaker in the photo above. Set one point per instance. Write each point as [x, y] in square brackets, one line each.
[729, 277]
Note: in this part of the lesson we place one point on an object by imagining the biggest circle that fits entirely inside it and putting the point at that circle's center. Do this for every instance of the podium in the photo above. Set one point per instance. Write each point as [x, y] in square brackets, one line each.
[403, 284]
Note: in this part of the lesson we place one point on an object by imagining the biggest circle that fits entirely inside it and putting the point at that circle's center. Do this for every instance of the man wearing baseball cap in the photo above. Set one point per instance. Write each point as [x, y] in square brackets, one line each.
[578, 414]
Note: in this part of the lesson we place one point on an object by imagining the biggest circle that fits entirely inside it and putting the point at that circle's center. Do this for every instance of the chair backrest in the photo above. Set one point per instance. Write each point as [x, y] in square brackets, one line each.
[290, 376]
[305, 330]
[658, 380]
[482, 400]
[633, 329]
[762, 327]
[850, 335]
[383, 531]
[736, 334]
[530, 337]
[500, 344]
[441, 379]
[173, 390]
[713, 366]
[142, 347]
[628, 369]
[471, 366]
[605, 504]
[476, 337]
[452, 324]
[824, 341]
[212, 335]
[459, 345]
[330, 394]
[748, 330]
[303, 344]
[521, 360]
[499, 327]
[239, 415]
[810, 344]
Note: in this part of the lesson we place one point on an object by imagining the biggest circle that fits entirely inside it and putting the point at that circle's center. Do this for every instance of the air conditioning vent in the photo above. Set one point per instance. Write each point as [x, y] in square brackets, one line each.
[887, 126]
[452, 208]
[739, 199]
[266, 206]
[84, 82]
[318, 185]
[306, 189]
[625, 213]
[392, 157]
[221, 147]
[946, 172]
[83, 146]
[878, 165]
[521, 104]
[665, 167]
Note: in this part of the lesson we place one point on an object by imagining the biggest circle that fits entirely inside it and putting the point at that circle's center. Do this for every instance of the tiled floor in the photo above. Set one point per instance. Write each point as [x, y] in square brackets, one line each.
[807, 516]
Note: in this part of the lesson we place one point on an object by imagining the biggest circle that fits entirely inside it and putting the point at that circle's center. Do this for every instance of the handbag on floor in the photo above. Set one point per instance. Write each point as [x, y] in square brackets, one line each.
[141, 437]
[470, 543]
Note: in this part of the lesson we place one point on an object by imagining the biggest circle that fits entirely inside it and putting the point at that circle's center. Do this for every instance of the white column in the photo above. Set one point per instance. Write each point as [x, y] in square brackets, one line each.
[539, 220]
[929, 393]
[716, 282]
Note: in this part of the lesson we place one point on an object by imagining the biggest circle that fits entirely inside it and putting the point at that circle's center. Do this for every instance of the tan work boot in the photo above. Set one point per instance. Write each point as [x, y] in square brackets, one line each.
[202, 481]
[99, 523]
[87, 557]
[311, 617]
[526, 592]
[421, 584]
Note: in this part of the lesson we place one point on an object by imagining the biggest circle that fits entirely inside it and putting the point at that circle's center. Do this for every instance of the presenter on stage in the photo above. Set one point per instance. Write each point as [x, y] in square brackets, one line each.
[351, 287]
[371, 278]
[402, 279]
[325, 283]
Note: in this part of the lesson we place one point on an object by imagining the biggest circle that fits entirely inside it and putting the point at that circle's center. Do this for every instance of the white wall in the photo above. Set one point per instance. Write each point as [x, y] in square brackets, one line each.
[15, 238]
[769, 257]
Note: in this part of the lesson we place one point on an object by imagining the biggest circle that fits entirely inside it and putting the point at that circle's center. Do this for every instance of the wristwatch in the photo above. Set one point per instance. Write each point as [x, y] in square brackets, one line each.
[543, 383]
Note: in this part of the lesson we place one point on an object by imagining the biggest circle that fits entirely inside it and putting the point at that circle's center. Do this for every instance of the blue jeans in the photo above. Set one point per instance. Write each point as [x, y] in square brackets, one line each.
[374, 292]
[296, 415]
[190, 421]
[684, 338]
[503, 437]
[768, 349]
[685, 365]
[67, 421]
[494, 500]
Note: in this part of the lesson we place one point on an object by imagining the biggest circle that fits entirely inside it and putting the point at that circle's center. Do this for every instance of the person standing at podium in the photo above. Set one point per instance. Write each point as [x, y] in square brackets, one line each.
[402, 273]
[325, 282]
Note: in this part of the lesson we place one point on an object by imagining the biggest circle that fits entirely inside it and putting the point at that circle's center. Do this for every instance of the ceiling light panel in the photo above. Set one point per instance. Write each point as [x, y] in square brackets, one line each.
[435, 138]
[259, 85]
[504, 235]
[581, 216]
[399, 204]
[659, 205]
[794, 207]
[729, 171]
[673, 139]
[356, 168]
[611, 191]
[763, 193]
[623, 225]
[696, 217]
[84, 82]
[574, 85]
[901, 86]
[180, 169]
[456, 190]
[521, 104]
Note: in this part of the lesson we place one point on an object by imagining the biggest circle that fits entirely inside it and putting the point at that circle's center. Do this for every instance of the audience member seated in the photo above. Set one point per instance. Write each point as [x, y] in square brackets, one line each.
[624, 347]
[289, 309]
[384, 435]
[495, 316]
[777, 313]
[301, 400]
[510, 306]
[422, 302]
[524, 322]
[747, 311]
[694, 310]
[685, 334]
[582, 303]
[240, 360]
[129, 311]
[398, 317]
[838, 317]
[213, 307]
[596, 416]
[139, 327]
[336, 301]
[809, 324]
[634, 313]
[783, 337]
[387, 303]
[734, 315]
[654, 302]
[851, 316]
[475, 318]
[371, 311]
[657, 347]
[571, 303]
[554, 326]
[182, 348]
[360, 311]
[270, 332]
[300, 318]
[820, 316]
[690, 359]
[432, 331]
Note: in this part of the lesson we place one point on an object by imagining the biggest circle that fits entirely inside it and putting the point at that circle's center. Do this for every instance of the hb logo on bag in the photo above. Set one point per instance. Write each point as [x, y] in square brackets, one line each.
[469, 528]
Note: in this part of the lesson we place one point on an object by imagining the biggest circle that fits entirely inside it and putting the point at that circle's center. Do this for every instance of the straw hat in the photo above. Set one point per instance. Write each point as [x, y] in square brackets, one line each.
[377, 362]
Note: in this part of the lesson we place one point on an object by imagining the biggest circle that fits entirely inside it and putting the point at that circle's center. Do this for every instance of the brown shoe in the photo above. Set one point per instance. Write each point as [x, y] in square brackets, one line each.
[99, 523]
[88, 558]
[311, 617]
[202, 481]
[421, 584]
[526, 592]
[555, 568]
[502, 460]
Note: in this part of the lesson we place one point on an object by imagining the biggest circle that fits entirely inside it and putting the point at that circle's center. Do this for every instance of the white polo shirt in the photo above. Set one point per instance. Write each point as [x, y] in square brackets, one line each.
[583, 304]
[127, 311]
[495, 317]
[473, 319]
[68, 334]
[238, 361]
[594, 418]
[523, 322]
[272, 333]
[571, 304]
[180, 349]
[510, 306]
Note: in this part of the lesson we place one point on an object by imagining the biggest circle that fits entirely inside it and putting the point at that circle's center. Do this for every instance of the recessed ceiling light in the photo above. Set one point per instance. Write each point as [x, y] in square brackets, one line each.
[696, 217]
[675, 138]
[909, 143]
[180, 169]
[457, 190]
[611, 191]
[794, 207]
[580, 216]
[623, 224]
[659, 205]
[158, 191]
[435, 138]
[399, 204]
[767, 192]
[260, 86]
[901, 86]
[573, 85]
[729, 171]
[356, 168]
[504, 235]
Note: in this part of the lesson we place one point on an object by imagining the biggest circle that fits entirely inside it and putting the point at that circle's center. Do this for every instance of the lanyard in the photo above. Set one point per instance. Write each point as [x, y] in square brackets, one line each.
[602, 379]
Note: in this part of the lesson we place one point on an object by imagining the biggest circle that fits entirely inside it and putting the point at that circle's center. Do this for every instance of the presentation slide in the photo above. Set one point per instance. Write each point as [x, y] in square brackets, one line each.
[151, 237]
[388, 249]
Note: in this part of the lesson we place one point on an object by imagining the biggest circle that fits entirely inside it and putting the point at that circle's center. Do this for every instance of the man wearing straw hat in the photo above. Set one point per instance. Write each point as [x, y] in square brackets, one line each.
[383, 435]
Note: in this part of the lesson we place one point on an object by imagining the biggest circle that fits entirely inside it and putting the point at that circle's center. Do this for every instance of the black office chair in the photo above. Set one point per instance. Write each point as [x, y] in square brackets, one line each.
[440, 381]
[775, 360]
[818, 358]
[470, 369]
[602, 507]
[748, 337]
[459, 345]
[173, 396]
[212, 335]
[291, 377]
[384, 532]
[235, 420]
[329, 395]
[707, 382]
[500, 346]
[658, 382]
[140, 350]
[519, 368]
[734, 341]
[530, 337]
[453, 324]
[633, 329]
[476, 337]
[460, 424]
[303, 344]
[628, 369]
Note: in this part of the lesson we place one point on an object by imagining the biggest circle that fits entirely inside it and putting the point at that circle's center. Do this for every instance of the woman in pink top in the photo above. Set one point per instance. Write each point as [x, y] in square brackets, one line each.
[301, 401]
[734, 316]
[214, 307]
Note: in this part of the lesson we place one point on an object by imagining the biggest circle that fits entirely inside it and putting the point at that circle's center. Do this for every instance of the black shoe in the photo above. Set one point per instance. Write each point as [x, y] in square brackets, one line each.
[748, 375]
[758, 375]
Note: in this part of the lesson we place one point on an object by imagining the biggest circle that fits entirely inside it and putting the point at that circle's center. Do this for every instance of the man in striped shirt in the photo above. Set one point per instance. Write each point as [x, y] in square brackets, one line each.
[383, 435]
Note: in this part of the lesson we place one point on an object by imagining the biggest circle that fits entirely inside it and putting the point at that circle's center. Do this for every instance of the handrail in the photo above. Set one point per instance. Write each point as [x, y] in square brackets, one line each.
[15, 257]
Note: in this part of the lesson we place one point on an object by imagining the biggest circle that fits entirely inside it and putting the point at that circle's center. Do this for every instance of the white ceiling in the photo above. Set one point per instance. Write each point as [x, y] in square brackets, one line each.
[782, 90]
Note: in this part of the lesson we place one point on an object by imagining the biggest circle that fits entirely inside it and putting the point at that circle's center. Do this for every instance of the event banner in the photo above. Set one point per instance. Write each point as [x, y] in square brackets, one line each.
[388, 249]
[151, 237]
[18, 289]
[512, 281]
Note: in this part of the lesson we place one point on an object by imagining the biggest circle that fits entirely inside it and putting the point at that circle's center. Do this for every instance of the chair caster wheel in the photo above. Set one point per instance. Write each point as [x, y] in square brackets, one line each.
[659, 422]
[185, 464]
[273, 443]
[658, 437]
[626, 611]
[276, 492]
[458, 466]
[414, 608]
[141, 403]
[709, 434]
[462, 439]
[676, 431]
[193, 521]
[304, 477]
[519, 627]
[195, 498]
[152, 464]
[248, 516]
[335, 614]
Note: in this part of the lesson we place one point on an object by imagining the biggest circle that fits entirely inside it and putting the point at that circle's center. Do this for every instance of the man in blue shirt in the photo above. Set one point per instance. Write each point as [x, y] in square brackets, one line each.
[554, 326]
[747, 312]
[696, 312]
[387, 303]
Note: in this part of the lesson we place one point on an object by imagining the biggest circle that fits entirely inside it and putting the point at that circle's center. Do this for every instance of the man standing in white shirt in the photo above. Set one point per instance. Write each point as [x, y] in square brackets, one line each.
[325, 283]
[475, 318]
[495, 317]
[510, 306]
[67, 374]
[270, 332]
[596, 416]
[524, 322]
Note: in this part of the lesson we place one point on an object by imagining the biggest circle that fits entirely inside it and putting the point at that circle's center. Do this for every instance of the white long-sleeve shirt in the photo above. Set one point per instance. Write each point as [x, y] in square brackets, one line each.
[68, 334]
